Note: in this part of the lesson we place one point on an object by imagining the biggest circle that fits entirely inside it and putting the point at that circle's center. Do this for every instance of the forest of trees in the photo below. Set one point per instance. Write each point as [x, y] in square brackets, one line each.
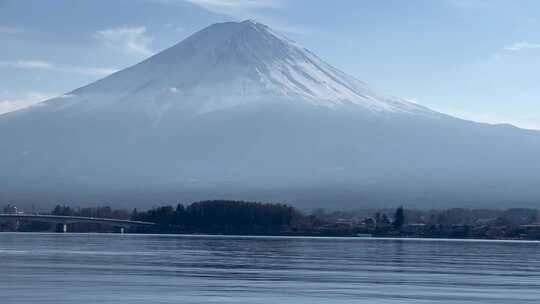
[224, 217]
[99, 212]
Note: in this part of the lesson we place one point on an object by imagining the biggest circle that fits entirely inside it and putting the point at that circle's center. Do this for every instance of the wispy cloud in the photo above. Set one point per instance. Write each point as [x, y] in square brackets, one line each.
[520, 121]
[23, 101]
[252, 9]
[530, 122]
[175, 28]
[293, 29]
[10, 30]
[49, 66]
[28, 64]
[522, 46]
[131, 40]
[470, 4]
[220, 6]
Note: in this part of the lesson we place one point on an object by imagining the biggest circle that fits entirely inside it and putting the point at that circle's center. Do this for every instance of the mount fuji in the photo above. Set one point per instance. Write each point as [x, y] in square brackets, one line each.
[238, 111]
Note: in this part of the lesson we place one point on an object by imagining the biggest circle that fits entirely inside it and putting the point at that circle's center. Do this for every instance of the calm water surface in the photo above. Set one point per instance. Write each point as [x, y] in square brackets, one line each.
[82, 268]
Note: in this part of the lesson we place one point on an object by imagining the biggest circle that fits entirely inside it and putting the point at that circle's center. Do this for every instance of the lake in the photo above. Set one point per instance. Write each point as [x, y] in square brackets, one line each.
[114, 268]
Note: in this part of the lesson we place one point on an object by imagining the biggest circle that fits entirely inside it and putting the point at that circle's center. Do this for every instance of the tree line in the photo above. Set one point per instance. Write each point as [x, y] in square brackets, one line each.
[255, 218]
[224, 217]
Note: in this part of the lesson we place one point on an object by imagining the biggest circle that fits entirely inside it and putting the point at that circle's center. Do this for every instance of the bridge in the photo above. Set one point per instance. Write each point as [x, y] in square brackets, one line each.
[63, 221]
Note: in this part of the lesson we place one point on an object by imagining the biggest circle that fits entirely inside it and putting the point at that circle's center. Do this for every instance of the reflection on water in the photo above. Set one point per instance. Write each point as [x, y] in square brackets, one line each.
[71, 268]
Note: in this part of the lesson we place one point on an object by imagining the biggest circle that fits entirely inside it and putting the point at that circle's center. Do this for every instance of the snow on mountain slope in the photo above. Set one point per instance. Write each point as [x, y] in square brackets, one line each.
[230, 64]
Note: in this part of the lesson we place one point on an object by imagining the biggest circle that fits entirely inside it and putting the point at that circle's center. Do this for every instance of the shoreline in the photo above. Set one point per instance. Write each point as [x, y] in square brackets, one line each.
[243, 236]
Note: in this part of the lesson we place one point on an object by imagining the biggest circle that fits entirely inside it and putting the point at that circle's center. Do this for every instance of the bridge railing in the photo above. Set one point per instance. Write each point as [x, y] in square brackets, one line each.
[64, 220]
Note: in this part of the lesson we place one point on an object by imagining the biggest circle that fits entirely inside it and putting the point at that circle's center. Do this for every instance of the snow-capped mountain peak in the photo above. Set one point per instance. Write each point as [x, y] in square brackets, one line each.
[230, 64]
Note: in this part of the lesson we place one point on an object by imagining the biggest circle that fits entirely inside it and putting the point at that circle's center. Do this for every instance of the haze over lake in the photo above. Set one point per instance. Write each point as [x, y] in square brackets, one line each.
[91, 268]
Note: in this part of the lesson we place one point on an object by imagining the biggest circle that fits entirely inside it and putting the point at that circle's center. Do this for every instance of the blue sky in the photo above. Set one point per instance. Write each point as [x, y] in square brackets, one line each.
[476, 59]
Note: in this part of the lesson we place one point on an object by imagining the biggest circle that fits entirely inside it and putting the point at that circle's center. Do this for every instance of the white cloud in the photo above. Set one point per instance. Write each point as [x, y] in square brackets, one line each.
[513, 48]
[175, 28]
[24, 101]
[66, 96]
[132, 40]
[526, 122]
[293, 29]
[496, 56]
[87, 71]
[221, 5]
[529, 121]
[28, 64]
[252, 9]
[10, 30]
[470, 4]
[522, 46]
[49, 66]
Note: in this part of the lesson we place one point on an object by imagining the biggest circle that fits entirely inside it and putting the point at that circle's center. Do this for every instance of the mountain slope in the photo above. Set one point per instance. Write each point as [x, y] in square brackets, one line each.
[225, 65]
[238, 111]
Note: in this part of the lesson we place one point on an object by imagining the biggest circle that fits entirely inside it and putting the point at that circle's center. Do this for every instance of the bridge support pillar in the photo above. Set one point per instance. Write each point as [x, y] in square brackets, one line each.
[61, 227]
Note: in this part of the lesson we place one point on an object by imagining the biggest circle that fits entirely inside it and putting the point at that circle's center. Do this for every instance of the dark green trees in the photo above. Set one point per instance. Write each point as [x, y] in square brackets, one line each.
[220, 216]
[399, 218]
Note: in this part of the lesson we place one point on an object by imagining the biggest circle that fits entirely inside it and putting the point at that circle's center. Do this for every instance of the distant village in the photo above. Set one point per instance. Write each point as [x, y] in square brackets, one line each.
[518, 223]
[251, 218]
